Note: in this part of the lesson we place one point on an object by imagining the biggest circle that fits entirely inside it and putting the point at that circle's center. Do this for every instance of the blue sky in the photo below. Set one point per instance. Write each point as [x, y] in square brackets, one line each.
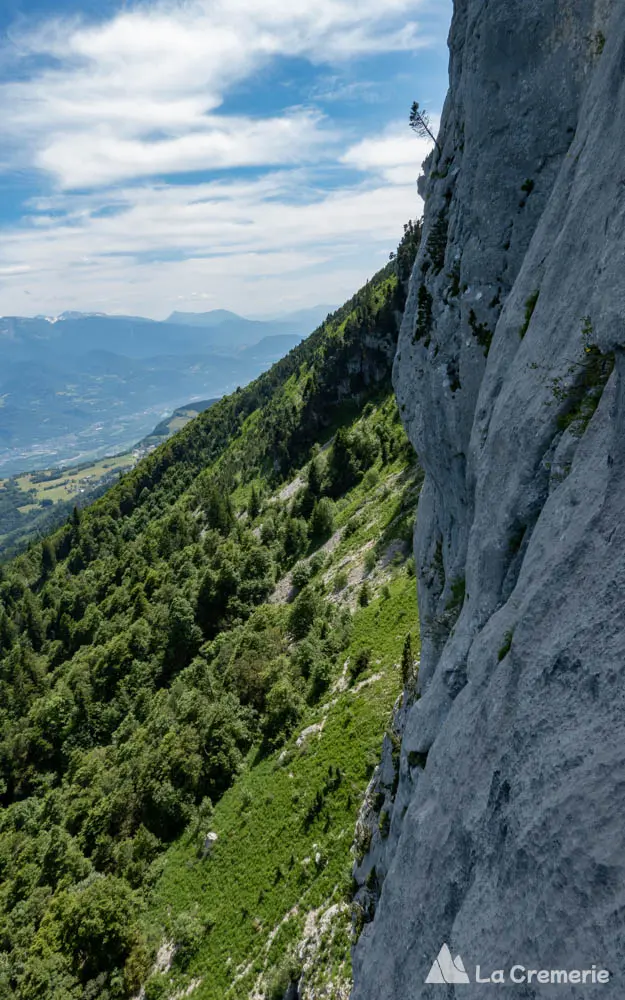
[244, 154]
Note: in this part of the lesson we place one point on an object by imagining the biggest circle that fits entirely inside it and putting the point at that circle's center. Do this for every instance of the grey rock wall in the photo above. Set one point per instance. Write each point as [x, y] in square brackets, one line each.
[507, 830]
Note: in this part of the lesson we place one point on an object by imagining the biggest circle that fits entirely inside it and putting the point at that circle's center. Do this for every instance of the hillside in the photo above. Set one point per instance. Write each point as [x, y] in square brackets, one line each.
[214, 646]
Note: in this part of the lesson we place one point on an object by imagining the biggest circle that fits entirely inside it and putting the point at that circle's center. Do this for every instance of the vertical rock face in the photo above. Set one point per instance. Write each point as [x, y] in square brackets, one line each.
[507, 837]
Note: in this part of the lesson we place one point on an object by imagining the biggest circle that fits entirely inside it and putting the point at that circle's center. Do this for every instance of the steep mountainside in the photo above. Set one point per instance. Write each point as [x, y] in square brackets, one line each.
[506, 837]
[214, 647]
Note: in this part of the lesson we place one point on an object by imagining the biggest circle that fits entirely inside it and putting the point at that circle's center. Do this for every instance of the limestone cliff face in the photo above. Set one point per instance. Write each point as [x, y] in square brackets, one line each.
[507, 836]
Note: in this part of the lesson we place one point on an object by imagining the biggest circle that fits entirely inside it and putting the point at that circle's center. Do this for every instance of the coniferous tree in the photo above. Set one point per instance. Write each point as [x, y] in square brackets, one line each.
[253, 507]
[48, 557]
[420, 123]
[322, 520]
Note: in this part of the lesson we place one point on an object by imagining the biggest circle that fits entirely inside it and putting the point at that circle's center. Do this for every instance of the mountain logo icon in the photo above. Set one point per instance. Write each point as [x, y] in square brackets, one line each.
[447, 969]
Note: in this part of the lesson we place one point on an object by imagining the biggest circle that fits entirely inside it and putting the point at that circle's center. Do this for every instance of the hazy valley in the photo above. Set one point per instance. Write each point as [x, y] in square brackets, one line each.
[83, 386]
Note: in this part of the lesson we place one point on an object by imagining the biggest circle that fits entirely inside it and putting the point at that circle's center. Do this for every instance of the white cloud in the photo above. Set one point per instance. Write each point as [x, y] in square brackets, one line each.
[396, 155]
[138, 94]
[13, 269]
[244, 245]
[101, 157]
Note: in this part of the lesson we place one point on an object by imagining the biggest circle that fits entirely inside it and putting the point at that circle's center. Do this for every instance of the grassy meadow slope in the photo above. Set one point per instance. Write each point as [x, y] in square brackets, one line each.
[213, 646]
[272, 900]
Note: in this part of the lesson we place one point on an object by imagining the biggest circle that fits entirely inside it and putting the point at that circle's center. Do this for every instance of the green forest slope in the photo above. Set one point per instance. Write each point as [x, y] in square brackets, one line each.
[213, 647]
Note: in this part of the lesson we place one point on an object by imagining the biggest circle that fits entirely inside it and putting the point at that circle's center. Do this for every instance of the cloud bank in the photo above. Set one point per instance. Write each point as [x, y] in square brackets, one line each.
[169, 168]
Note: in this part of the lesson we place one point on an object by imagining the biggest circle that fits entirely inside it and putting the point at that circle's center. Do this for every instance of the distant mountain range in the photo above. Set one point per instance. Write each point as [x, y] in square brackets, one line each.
[22, 339]
[74, 386]
[303, 321]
